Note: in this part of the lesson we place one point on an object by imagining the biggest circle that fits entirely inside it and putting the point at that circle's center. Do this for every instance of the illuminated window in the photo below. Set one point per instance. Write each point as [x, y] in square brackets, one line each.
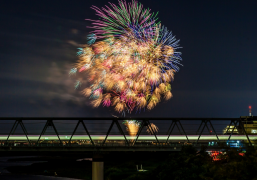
[253, 131]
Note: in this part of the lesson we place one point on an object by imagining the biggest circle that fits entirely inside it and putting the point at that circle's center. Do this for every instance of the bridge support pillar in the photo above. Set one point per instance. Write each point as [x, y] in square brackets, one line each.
[97, 167]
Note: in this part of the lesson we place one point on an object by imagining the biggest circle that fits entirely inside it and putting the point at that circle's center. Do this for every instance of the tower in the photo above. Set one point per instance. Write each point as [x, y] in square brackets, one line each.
[250, 110]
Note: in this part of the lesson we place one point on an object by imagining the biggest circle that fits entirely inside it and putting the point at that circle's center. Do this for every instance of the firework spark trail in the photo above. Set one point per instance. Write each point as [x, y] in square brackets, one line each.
[132, 126]
[152, 129]
[132, 67]
[115, 20]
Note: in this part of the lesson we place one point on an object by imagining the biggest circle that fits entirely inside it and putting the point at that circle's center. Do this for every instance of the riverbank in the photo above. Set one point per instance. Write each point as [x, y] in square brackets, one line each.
[118, 165]
[54, 166]
[189, 163]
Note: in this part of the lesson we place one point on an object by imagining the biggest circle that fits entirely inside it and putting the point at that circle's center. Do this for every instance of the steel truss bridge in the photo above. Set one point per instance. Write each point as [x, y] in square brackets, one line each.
[110, 134]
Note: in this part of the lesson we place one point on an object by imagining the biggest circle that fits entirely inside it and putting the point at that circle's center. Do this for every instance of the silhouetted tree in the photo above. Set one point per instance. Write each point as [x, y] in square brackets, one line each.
[188, 164]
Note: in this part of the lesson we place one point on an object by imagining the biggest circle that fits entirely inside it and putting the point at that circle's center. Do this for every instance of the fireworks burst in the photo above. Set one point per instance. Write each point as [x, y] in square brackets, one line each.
[132, 126]
[152, 129]
[132, 66]
[116, 20]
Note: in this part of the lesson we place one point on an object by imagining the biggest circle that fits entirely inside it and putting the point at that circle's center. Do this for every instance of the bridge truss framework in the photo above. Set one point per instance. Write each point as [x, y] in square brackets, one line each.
[164, 141]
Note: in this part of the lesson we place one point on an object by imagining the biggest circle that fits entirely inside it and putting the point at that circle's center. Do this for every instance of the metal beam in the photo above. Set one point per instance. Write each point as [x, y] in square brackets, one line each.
[149, 126]
[15, 127]
[139, 131]
[170, 132]
[183, 130]
[233, 129]
[107, 118]
[49, 122]
[108, 132]
[83, 124]
[18, 122]
[214, 130]
[24, 130]
[121, 131]
[178, 127]
[74, 130]
[229, 127]
[170, 127]
[208, 127]
[119, 128]
[52, 124]
[87, 132]
[201, 131]
[11, 130]
[242, 126]
[199, 128]
[43, 131]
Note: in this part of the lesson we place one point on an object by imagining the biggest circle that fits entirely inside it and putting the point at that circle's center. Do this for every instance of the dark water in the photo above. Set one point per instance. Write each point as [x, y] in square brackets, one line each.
[5, 163]
[6, 175]
[31, 177]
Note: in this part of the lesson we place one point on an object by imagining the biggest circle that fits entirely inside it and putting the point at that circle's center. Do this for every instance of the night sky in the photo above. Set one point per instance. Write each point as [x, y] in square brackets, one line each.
[39, 41]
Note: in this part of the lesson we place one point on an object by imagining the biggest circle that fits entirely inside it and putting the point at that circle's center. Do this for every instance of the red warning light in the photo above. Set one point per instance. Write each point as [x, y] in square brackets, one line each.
[250, 107]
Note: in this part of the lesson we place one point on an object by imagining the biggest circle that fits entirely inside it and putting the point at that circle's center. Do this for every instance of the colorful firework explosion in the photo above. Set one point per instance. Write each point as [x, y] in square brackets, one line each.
[132, 67]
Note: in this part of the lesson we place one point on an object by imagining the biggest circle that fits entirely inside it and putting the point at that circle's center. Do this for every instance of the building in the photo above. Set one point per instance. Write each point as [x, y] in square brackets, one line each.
[250, 125]
[248, 122]
[229, 129]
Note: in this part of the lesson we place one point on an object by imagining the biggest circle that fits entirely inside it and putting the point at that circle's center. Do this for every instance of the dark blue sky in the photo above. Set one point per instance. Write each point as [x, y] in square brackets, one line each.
[39, 40]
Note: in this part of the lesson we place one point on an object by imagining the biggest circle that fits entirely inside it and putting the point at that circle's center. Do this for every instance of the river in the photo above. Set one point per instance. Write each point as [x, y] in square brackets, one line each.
[6, 175]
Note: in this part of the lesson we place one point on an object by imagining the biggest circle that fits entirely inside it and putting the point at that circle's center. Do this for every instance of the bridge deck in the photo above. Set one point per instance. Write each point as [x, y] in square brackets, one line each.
[120, 137]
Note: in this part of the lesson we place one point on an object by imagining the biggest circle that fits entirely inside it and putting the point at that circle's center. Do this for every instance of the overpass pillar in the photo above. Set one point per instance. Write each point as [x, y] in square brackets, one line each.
[98, 167]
